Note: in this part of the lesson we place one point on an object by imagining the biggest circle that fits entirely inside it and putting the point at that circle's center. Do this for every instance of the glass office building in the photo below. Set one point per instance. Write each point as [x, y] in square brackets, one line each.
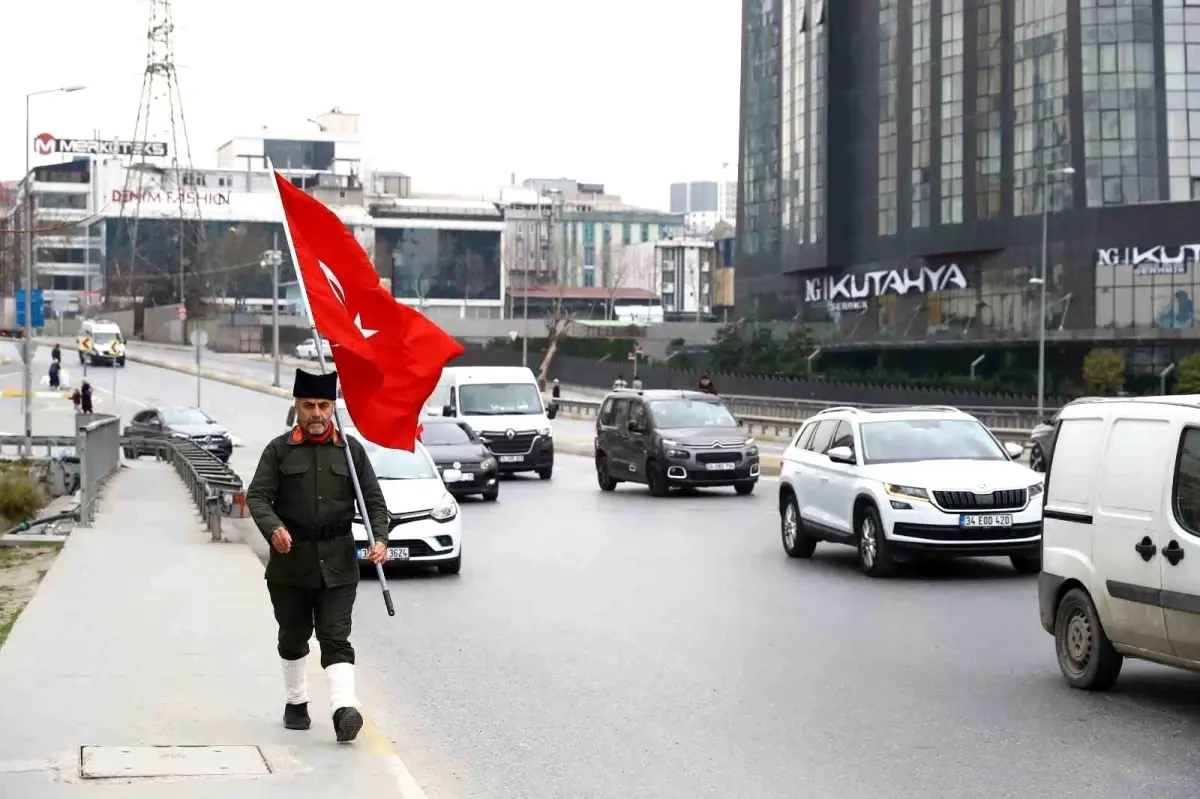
[899, 159]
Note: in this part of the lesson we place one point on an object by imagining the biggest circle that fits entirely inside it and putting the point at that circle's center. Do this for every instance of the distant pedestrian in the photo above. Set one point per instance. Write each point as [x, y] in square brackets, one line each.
[85, 396]
[56, 354]
[55, 367]
[556, 390]
[312, 574]
[76, 399]
[706, 385]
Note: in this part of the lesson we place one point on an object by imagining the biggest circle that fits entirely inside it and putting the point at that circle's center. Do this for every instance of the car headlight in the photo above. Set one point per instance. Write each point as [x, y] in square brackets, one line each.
[667, 442]
[184, 436]
[545, 432]
[1035, 490]
[488, 463]
[749, 442]
[906, 492]
[676, 453]
[445, 510]
[752, 450]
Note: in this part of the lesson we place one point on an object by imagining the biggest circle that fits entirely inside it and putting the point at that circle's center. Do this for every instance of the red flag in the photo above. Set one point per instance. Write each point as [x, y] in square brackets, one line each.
[389, 357]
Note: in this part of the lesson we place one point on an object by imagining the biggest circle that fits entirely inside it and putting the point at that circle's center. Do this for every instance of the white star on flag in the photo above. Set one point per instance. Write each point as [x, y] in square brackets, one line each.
[340, 294]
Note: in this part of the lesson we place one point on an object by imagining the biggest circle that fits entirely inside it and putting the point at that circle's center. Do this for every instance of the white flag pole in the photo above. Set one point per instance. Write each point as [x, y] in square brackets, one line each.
[337, 415]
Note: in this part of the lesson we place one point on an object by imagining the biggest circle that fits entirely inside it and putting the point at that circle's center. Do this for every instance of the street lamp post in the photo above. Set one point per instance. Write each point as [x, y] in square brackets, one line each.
[1042, 280]
[27, 340]
[274, 259]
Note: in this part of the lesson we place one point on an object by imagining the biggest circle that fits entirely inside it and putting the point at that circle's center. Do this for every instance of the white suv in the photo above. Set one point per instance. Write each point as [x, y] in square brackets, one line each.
[905, 483]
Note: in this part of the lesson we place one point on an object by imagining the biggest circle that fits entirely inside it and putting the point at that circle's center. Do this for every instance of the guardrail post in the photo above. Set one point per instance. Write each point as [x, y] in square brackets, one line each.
[212, 509]
[86, 486]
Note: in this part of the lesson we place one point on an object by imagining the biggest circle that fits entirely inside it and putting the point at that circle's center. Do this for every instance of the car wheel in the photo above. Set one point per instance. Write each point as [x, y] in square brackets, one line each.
[744, 489]
[874, 552]
[491, 494]
[546, 473]
[451, 566]
[796, 543]
[1037, 459]
[605, 480]
[656, 480]
[1026, 564]
[1085, 655]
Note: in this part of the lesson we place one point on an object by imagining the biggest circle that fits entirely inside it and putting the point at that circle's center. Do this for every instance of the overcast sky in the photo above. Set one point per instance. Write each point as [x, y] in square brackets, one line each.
[459, 94]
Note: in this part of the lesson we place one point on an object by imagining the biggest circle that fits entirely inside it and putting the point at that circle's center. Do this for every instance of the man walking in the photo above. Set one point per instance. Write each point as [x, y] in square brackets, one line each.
[302, 500]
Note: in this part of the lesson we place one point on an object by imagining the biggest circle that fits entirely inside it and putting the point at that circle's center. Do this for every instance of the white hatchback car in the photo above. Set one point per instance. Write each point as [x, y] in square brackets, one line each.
[426, 527]
[907, 483]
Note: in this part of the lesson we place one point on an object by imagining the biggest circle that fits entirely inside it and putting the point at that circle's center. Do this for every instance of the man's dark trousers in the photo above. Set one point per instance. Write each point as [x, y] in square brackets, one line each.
[329, 610]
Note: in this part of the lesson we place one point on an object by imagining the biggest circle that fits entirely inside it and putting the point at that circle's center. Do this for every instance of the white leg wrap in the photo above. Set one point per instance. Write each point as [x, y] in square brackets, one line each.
[295, 683]
[341, 686]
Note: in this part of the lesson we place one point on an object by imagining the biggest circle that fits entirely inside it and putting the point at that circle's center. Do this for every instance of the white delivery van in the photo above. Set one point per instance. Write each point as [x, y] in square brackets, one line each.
[1121, 537]
[504, 406]
[100, 342]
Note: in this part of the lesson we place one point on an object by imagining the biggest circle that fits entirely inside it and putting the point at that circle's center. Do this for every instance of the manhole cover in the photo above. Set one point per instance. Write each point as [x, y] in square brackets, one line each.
[106, 762]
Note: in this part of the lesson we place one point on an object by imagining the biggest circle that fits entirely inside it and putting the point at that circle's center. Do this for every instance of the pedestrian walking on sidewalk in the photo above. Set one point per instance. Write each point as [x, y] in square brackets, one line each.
[55, 366]
[85, 396]
[302, 500]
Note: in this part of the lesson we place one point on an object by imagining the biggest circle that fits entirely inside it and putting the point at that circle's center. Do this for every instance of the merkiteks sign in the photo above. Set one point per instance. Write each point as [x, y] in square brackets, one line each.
[1157, 260]
[853, 291]
[45, 144]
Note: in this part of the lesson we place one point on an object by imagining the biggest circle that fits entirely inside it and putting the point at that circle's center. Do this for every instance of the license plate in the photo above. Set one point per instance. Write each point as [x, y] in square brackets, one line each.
[466, 477]
[511, 458]
[394, 553]
[986, 520]
[720, 467]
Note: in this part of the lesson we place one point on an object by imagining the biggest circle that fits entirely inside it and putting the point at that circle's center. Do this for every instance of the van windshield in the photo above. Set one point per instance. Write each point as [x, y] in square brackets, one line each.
[499, 399]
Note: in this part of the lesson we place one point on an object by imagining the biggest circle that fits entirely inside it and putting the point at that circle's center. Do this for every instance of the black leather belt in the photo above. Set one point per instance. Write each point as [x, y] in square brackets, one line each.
[322, 532]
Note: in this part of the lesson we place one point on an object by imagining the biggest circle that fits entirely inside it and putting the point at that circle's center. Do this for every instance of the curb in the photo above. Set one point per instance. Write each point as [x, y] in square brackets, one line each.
[16, 392]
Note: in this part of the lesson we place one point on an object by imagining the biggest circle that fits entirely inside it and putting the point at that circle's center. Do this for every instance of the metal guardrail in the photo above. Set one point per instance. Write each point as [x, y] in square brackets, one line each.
[786, 428]
[215, 488]
[98, 446]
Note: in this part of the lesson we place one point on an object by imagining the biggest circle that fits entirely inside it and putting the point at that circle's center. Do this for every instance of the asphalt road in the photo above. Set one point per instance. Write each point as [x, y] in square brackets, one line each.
[607, 646]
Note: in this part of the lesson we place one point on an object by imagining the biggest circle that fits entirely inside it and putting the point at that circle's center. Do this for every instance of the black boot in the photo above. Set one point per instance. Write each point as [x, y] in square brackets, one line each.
[295, 717]
[347, 722]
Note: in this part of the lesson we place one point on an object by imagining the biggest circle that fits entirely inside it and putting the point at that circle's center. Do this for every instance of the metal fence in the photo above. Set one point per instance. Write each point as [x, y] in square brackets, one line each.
[572, 370]
[98, 446]
[215, 488]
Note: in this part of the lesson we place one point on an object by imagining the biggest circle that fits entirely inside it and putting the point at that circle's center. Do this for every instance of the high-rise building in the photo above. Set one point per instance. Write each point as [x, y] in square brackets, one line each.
[704, 203]
[901, 161]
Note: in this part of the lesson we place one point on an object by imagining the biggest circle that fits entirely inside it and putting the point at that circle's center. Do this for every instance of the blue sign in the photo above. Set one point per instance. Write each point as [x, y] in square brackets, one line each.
[39, 308]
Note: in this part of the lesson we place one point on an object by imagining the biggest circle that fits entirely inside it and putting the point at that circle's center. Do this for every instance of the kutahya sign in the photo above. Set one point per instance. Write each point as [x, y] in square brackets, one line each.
[1156, 260]
[851, 292]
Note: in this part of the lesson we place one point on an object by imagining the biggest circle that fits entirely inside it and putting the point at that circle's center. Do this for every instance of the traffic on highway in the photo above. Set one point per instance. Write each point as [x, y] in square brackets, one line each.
[645, 620]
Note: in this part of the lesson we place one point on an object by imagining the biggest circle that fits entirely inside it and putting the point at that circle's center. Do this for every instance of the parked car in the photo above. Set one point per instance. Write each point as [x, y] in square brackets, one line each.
[672, 439]
[1041, 440]
[425, 525]
[457, 449]
[308, 349]
[906, 483]
[182, 423]
[1122, 513]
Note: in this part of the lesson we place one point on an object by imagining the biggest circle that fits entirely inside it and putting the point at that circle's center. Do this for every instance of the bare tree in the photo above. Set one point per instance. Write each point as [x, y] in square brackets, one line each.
[558, 324]
[617, 272]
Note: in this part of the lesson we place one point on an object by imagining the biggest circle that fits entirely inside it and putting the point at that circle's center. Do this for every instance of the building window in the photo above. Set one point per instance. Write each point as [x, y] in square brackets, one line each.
[1132, 298]
[1040, 142]
[951, 119]
[989, 197]
[1120, 129]
[922, 122]
[758, 228]
[889, 29]
[793, 126]
[1181, 54]
[625, 234]
[61, 201]
[816, 133]
[589, 276]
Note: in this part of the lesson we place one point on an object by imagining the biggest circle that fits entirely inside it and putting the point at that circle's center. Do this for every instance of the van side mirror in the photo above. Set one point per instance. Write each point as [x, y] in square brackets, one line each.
[552, 410]
[447, 410]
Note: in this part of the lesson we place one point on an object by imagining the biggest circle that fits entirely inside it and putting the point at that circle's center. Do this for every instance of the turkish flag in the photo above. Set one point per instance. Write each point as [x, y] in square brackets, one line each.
[389, 357]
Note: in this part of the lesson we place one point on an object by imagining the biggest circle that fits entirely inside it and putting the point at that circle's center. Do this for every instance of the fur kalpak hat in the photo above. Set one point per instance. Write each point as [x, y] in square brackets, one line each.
[311, 386]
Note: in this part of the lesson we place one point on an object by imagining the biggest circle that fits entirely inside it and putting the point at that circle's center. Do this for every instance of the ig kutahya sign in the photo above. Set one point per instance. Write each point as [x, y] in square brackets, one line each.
[1156, 260]
[851, 292]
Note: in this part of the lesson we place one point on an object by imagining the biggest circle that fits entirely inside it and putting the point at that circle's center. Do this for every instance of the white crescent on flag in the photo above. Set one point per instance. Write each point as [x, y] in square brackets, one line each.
[339, 293]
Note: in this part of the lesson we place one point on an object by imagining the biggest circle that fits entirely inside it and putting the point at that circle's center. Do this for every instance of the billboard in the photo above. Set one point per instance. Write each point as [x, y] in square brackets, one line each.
[47, 144]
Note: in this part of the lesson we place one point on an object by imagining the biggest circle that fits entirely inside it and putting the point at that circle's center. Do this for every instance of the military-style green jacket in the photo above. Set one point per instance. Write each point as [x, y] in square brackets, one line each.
[298, 485]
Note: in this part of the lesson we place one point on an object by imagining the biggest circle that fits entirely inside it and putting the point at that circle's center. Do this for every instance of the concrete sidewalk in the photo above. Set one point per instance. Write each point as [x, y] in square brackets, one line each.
[146, 634]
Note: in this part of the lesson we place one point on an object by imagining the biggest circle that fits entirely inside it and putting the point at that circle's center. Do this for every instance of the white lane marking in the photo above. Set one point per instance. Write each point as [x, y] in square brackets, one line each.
[121, 397]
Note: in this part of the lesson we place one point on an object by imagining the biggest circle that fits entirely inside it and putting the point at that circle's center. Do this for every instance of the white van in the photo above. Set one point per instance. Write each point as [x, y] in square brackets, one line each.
[504, 406]
[1122, 513]
[100, 342]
